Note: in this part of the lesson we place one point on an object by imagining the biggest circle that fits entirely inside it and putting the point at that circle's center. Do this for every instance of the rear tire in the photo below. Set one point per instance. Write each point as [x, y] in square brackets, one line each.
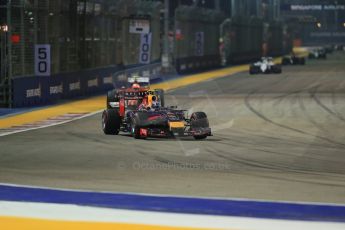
[111, 122]
[285, 61]
[302, 61]
[277, 69]
[199, 120]
[253, 70]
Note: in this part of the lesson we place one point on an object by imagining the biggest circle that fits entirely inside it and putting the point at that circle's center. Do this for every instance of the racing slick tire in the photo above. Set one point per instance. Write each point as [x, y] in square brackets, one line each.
[135, 128]
[285, 61]
[311, 56]
[323, 56]
[160, 94]
[199, 120]
[254, 70]
[111, 98]
[111, 122]
[277, 69]
[302, 61]
[137, 123]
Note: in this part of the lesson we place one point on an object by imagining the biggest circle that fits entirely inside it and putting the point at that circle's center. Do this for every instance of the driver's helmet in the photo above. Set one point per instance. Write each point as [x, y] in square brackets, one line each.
[155, 103]
[135, 85]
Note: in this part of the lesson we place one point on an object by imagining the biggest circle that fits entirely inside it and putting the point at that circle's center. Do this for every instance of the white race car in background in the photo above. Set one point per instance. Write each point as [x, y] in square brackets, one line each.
[318, 53]
[265, 65]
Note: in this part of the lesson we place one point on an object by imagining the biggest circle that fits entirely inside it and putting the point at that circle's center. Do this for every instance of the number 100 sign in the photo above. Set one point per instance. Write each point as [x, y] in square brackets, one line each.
[42, 60]
[145, 48]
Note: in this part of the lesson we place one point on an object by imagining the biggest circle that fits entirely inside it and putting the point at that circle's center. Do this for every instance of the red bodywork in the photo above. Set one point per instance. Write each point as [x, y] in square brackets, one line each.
[129, 94]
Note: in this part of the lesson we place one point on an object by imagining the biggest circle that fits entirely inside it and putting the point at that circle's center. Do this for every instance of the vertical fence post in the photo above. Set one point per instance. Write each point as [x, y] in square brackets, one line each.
[166, 56]
[259, 8]
[3, 48]
[22, 39]
[9, 53]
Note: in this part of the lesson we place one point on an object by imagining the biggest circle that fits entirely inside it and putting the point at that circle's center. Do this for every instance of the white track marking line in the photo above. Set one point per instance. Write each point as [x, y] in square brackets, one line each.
[69, 212]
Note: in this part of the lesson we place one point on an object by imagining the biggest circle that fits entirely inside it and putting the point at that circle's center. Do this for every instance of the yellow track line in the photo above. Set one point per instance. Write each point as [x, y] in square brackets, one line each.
[9, 223]
[80, 106]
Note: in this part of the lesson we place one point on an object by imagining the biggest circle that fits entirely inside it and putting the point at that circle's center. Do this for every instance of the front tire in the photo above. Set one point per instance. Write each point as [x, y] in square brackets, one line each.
[138, 121]
[111, 122]
[135, 129]
[199, 120]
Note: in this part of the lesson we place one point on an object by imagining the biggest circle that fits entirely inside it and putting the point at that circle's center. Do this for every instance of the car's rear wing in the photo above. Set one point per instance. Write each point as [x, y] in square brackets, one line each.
[139, 80]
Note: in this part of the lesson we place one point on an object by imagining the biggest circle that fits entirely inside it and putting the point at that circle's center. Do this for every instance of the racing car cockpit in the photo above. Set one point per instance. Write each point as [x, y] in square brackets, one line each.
[149, 102]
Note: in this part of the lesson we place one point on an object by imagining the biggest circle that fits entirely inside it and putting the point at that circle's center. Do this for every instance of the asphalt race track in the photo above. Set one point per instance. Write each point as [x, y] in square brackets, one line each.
[276, 137]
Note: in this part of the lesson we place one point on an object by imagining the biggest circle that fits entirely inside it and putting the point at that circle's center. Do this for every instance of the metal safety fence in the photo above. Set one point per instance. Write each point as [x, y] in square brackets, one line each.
[76, 35]
[196, 38]
[242, 39]
[82, 34]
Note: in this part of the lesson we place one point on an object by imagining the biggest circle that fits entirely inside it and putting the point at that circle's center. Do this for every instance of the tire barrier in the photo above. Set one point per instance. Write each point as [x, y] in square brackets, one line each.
[39, 90]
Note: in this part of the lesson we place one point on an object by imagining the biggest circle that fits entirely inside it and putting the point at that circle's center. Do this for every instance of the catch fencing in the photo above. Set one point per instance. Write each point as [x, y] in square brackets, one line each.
[196, 38]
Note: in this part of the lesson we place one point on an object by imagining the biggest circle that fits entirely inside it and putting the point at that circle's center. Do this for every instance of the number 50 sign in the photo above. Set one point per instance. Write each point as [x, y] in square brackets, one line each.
[42, 60]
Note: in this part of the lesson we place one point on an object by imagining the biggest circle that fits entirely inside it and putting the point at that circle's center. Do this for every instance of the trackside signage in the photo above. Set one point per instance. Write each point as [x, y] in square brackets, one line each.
[33, 92]
[42, 60]
[199, 44]
[139, 26]
[56, 89]
[74, 86]
[145, 48]
[314, 7]
[108, 80]
[92, 83]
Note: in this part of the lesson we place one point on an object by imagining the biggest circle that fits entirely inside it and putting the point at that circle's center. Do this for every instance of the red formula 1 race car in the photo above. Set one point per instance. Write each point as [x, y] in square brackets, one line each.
[141, 112]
